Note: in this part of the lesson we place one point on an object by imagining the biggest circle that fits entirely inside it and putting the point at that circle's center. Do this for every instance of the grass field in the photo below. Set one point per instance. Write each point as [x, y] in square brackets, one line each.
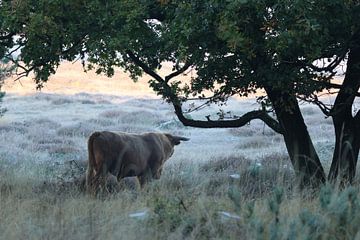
[222, 184]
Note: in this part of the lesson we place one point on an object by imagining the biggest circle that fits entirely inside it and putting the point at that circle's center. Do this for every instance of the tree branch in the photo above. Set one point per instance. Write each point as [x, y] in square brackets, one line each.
[197, 107]
[327, 84]
[75, 45]
[351, 84]
[9, 54]
[26, 71]
[178, 72]
[239, 122]
[314, 99]
[357, 118]
[144, 67]
[333, 85]
[329, 67]
[6, 37]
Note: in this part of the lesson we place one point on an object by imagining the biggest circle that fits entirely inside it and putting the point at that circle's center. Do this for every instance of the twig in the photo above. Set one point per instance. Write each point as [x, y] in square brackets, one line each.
[314, 99]
[77, 165]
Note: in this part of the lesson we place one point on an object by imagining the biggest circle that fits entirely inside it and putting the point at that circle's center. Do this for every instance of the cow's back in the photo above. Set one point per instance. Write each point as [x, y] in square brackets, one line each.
[133, 152]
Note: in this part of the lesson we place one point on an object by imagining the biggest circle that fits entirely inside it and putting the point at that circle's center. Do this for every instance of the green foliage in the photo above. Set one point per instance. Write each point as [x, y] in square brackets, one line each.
[168, 210]
[275, 202]
[333, 214]
[236, 44]
[235, 196]
[235, 47]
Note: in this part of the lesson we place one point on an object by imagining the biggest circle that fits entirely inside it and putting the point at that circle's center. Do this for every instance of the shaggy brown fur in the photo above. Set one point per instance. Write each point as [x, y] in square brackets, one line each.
[126, 155]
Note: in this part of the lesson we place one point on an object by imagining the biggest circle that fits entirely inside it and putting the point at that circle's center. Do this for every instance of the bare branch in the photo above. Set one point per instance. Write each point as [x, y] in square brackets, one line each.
[327, 93]
[333, 85]
[201, 106]
[26, 71]
[325, 108]
[239, 122]
[209, 100]
[199, 98]
[21, 75]
[8, 55]
[327, 84]
[330, 67]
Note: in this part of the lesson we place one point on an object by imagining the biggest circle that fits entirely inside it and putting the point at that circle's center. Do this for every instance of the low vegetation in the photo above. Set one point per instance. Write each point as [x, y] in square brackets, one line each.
[258, 203]
[223, 184]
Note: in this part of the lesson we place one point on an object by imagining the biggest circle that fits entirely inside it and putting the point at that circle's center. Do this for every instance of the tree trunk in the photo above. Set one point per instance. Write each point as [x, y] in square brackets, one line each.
[347, 141]
[347, 127]
[304, 158]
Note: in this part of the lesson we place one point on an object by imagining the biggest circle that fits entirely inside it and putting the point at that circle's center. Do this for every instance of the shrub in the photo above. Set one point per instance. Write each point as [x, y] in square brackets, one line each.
[112, 114]
[79, 129]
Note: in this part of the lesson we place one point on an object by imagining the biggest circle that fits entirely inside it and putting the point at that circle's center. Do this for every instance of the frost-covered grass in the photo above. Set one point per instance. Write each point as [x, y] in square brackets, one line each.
[223, 184]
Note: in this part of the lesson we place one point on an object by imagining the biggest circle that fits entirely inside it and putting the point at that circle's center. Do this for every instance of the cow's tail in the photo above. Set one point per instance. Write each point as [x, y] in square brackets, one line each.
[90, 172]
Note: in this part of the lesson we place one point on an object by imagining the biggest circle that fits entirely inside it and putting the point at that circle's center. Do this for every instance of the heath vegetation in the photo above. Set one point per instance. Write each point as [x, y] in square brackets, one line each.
[223, 184]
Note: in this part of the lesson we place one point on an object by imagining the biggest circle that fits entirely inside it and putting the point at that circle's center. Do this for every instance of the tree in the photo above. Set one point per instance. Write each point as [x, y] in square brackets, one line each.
[235, 47]
[316, 36]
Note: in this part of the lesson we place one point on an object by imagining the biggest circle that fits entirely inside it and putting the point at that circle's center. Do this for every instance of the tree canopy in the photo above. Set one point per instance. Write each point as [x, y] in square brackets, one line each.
[290, 49]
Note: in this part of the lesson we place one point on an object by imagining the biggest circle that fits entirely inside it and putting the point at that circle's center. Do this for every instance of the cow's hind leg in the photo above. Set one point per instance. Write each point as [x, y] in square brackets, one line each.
[89, 182]
[145, 178]
[99, 181]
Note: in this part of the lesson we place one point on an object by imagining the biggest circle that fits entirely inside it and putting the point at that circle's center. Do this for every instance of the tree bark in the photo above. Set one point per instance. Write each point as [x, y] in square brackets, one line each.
[347, 127]
[304, 158]
[343, 166]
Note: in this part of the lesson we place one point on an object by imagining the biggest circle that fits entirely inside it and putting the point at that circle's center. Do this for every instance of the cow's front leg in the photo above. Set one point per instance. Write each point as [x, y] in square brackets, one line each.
[145, 177]
[130, 183]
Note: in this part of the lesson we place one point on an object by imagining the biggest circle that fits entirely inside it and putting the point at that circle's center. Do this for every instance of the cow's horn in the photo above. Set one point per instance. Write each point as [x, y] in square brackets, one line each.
[181, 138]
[176, 139]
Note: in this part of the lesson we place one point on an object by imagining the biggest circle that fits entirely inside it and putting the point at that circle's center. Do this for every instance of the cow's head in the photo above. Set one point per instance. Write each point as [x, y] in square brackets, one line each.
[174, 140]
[169, 142]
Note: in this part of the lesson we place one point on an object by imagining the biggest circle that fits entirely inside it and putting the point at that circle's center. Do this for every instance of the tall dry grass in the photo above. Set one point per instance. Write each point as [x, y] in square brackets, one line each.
[198, 201]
